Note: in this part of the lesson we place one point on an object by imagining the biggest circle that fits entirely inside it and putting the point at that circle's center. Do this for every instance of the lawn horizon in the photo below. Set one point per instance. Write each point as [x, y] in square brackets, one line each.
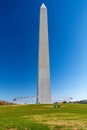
[43, 116]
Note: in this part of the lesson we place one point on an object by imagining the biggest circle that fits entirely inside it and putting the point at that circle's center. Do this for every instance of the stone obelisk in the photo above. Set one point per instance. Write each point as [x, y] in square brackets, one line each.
[43, 92]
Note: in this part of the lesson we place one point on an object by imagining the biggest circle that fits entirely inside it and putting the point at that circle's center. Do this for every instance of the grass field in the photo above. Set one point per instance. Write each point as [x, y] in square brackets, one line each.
[43, 117]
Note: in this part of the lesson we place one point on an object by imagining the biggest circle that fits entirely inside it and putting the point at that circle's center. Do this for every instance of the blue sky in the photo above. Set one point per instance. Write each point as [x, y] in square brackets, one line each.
[19, 34]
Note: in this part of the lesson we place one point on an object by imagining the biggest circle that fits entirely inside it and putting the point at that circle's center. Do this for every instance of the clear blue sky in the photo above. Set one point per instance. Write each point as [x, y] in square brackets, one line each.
[19, 33]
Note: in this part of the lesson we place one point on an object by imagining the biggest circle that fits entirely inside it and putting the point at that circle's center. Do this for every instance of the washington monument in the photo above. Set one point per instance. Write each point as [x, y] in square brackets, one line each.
[43, 92]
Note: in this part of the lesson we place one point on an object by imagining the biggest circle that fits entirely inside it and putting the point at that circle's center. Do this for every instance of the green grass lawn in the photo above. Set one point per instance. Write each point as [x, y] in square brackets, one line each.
[43, 117]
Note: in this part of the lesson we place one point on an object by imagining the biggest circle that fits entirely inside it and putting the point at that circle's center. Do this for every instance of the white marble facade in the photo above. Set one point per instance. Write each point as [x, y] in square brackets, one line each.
[43, 92]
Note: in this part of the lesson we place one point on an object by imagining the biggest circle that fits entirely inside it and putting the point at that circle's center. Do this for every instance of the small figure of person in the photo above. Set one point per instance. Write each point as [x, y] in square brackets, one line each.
[56, 106]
